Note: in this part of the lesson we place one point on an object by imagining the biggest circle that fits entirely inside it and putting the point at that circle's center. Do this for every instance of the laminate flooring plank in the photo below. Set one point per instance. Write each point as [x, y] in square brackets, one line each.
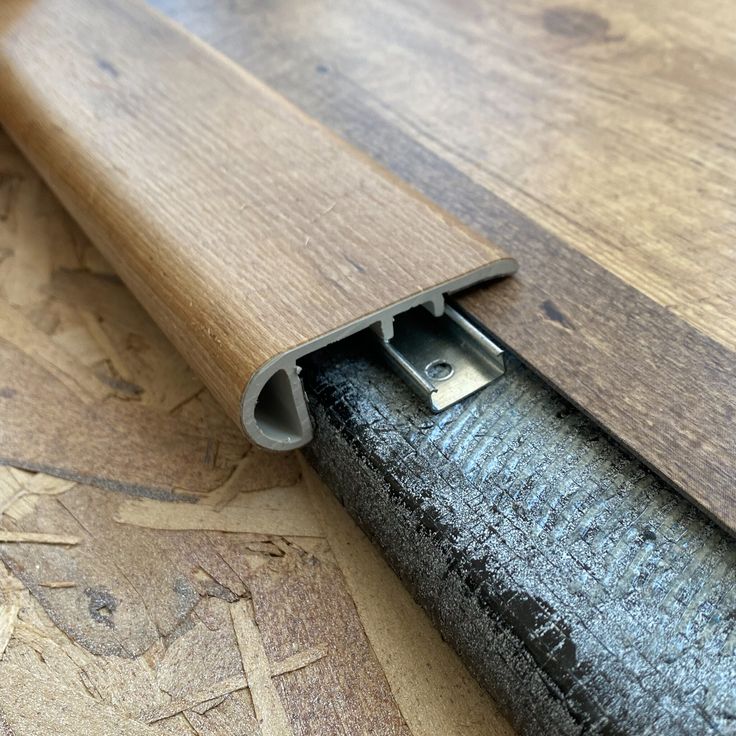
[610, 126]
[593, 143]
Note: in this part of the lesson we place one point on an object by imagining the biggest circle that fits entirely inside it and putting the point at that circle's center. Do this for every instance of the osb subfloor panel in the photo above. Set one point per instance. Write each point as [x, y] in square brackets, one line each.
[160, 575]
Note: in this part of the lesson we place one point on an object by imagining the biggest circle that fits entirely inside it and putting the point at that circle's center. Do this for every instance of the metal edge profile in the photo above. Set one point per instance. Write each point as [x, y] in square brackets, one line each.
[273, 407]
[444, 359]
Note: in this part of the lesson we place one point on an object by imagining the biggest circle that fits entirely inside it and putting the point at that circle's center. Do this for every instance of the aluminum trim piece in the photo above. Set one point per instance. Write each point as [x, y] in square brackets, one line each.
[444, 359]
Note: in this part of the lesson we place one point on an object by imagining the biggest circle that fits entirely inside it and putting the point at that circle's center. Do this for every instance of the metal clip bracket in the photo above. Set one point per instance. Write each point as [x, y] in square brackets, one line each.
[444, 359]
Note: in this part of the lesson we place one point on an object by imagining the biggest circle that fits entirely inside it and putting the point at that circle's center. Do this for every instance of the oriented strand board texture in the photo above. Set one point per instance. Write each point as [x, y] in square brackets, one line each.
[158, 575]
[588, 596]
[593, 142]
[243, 226]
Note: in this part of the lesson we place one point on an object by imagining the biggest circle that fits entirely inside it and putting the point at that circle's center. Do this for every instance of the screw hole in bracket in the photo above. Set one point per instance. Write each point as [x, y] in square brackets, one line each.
[439, 370]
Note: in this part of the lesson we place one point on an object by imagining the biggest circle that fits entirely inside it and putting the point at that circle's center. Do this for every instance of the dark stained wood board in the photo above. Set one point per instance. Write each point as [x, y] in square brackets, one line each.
[594, 143]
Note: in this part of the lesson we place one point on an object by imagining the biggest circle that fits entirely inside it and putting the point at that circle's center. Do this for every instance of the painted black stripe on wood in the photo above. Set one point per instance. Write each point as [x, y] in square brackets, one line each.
[584, 594]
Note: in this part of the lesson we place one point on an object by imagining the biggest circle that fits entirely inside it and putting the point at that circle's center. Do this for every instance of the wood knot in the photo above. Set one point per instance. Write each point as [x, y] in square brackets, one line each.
[571, 22]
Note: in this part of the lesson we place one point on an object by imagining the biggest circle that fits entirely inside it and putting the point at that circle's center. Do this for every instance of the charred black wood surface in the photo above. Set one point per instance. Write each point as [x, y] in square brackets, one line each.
[583, 593]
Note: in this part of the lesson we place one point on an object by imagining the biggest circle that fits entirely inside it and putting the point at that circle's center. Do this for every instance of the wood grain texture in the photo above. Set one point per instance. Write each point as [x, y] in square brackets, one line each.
[131, 630]
[244, 227]
[610, 126]
[594, 143]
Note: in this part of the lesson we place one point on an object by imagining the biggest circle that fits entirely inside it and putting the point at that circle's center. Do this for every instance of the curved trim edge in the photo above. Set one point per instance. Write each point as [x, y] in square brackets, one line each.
[273, 407]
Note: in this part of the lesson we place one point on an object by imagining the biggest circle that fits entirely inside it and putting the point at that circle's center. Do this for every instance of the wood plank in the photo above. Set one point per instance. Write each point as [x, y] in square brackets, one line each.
[248, 230]
[607, 125]
[593, 144]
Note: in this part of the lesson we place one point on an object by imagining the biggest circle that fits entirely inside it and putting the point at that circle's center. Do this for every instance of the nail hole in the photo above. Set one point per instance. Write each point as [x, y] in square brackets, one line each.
[439, 370]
